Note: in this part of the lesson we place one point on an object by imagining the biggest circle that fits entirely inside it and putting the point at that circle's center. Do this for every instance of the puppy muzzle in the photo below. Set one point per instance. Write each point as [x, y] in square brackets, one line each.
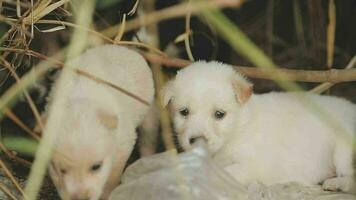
[194, 139]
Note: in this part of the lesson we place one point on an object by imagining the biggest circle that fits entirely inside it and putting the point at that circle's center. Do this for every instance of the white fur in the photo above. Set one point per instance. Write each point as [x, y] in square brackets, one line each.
[272, 138]
[100, 122]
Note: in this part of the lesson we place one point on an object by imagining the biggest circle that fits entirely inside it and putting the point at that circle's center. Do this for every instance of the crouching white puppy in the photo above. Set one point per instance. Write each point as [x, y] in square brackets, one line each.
[98, 131]
[272, 138]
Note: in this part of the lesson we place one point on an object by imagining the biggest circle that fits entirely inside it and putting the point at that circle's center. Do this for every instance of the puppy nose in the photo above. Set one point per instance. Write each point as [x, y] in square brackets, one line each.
[194, 139]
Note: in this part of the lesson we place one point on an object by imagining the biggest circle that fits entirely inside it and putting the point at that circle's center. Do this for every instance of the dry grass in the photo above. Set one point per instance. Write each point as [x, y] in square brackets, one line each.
[23, 18]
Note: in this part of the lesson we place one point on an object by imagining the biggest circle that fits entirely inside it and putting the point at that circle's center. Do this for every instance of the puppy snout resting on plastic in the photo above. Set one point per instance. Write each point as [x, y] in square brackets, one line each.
[97, 133]
[271, 138]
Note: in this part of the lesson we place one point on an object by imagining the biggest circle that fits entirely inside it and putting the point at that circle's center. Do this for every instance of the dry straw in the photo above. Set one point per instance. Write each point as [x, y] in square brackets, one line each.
[29, 14]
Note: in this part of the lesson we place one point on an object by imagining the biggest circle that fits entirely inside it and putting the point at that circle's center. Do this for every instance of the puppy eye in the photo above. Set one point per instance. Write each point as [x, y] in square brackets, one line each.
[219, 114]
[184, 112]
[96, 167]
[63, 171]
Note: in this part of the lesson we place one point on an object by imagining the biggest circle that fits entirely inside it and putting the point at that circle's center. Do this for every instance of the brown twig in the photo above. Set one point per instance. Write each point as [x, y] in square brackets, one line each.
[73, 25]
[27, 95]
[159, 82]
[60, 64]
[333, 75]
[100, 35]
[170, 13]
[188, 31]
[7, 191]
[17, 121]
[325, 86]
[14, 157]
[12, 178]
[330, 36]
[100, 80]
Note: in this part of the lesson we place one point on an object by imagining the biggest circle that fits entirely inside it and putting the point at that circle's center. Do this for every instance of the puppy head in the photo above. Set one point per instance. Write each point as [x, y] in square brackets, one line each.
[206, 99]
[83, 156]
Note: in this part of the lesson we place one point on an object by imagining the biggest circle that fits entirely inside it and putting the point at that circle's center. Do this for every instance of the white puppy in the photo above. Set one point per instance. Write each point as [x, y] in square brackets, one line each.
[98, 132]
[272, 138]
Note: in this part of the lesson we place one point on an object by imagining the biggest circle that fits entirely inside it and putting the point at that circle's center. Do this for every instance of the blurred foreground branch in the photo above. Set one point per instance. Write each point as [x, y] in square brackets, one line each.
[332, 75]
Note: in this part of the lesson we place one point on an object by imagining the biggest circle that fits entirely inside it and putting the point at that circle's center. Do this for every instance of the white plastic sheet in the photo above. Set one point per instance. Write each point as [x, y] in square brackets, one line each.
[193, 175]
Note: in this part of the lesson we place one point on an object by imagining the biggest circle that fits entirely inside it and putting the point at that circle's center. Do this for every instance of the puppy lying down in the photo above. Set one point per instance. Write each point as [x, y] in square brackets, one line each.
[98, 132]
[270, 138]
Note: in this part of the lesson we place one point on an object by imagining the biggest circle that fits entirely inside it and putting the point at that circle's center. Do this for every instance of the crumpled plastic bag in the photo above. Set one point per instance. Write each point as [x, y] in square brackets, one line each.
[172, 176]
[195, 176]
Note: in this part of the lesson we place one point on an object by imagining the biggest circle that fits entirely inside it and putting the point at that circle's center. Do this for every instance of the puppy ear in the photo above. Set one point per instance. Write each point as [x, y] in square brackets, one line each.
[167, 93]
[109, 120]
[243, 88]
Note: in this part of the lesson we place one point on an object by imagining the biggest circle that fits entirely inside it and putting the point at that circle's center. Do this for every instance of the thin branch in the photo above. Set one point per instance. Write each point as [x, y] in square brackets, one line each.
[45, 149]
[60, 64]
[100, 80]
[102, 35]
[330, 37]
[121, 32]
[170, 13]
[73, 25]
[325, 86]
[27, 95]
[12, 156]
[63, 23]
[17, 121]
[158, 77]
[12, 178]
[7, 191]
[134, 8]
[188, 31]
[333, 75]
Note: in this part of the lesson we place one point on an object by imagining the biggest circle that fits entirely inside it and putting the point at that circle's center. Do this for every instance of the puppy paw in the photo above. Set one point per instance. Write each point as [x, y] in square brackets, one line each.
[345, 184]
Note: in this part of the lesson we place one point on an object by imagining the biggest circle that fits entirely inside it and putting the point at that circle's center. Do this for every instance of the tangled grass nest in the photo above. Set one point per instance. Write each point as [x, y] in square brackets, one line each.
[63, 28]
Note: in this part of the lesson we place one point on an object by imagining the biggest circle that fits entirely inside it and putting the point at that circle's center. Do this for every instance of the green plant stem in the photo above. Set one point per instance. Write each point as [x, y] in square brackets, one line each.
[243, 45]
[21, 145]
[85, 9]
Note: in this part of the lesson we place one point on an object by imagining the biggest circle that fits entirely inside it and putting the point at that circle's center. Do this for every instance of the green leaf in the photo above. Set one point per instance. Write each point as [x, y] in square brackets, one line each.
[21, 145]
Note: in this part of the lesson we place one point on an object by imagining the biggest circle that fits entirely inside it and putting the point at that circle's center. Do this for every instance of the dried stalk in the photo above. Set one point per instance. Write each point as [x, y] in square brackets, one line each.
[159, 82]
[59, 64]
[13, 156]
[325, 86]
[188, 31]
[333, 75]
[100, 80]
[7, 191]
[43, 155]
[17, 121]
[134, 8]
[170, 13]
[330, 37]
[121, 31]
[12, 178]
[27, 95]
[63, 23]
[73, 25]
